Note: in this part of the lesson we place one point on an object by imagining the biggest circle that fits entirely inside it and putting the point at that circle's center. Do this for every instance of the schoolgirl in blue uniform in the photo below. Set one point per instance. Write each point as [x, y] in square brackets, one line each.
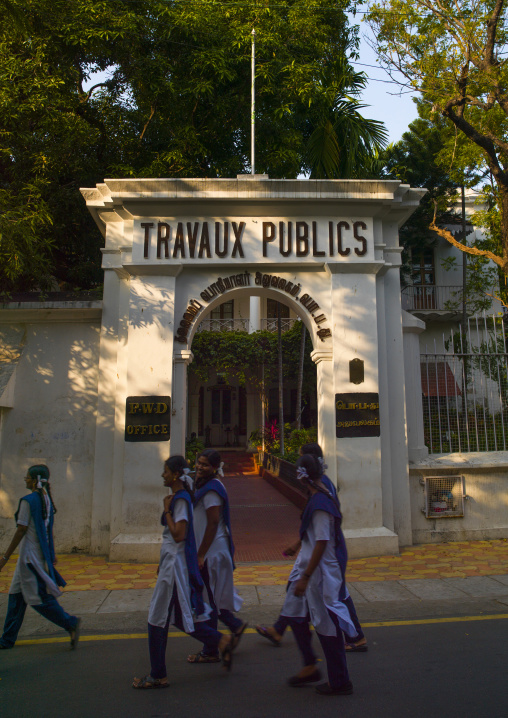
[36, 582]
[214, 540]
[356, 643]
[317, 588]
[178, 593]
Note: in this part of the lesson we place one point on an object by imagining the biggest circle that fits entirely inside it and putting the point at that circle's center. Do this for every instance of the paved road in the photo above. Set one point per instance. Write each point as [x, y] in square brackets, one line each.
[125, 611]
[454, 669]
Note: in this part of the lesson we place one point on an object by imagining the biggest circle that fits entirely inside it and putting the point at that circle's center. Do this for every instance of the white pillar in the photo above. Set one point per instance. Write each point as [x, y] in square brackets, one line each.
[182, 359]
[326, 409]
[412, 327]
[397, 405]
[384, 357]
[254, 314]
[355, 336]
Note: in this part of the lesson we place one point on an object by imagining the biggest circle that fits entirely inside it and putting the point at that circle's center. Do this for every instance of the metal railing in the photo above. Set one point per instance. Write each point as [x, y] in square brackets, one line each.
[281, 468]
[465, 389]
[271, 325]
[223, 325]
[431, 297]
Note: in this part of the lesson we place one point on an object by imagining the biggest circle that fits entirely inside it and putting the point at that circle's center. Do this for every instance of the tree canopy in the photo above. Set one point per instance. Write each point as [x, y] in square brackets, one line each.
[422, 158]
[453, 53]
[173, 100]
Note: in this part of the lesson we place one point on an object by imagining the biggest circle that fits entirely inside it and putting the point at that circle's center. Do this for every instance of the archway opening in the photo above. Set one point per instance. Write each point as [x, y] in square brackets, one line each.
[234, 396]
[234, 406]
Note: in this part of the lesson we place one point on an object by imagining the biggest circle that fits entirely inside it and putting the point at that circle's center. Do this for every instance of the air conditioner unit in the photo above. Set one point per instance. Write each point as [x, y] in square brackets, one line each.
[444, 497]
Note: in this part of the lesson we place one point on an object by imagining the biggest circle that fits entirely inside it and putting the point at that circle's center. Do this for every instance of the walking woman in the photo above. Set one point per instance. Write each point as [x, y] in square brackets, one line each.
[36, 581]
[214, 540]
[316, 588]
[357, 643]
[177, 597]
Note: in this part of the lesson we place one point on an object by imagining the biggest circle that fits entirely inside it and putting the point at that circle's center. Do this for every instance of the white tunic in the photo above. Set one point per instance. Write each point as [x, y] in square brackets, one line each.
[30, 552]
[173, 572]
[218, 558]
[322, 593]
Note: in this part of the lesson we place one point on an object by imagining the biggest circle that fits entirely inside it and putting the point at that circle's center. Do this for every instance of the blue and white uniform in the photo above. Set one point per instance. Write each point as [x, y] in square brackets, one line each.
[219, 557]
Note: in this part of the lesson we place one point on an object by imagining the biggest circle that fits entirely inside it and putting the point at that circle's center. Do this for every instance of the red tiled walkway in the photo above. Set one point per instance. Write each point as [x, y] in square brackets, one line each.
[263, 521]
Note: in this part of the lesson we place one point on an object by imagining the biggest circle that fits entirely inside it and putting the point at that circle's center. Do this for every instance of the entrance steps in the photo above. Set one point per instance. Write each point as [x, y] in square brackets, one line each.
[237, 462]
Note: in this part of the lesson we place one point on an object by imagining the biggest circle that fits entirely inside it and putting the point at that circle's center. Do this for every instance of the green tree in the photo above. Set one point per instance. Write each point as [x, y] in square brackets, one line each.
[342, 143]
[422, 158]
[415, 160]
[175, 103]
[452, 53]
[239, 356]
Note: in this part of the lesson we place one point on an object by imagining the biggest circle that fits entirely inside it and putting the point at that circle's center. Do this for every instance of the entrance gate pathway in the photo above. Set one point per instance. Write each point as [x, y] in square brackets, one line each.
[263, 521]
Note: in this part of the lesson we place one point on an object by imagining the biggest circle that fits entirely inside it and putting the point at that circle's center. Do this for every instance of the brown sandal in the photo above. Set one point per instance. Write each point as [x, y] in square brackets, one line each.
[203, 658]
[149, 682]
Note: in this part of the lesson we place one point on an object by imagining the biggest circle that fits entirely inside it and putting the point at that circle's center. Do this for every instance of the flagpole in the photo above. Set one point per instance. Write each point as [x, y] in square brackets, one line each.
[252, 103]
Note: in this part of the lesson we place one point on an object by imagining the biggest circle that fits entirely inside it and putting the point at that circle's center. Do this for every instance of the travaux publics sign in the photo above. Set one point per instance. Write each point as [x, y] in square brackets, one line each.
[252, 240]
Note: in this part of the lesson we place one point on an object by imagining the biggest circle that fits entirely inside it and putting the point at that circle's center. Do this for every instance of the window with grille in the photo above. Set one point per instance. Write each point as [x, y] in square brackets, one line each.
[223, 311]
[444, 496]
[271, 309]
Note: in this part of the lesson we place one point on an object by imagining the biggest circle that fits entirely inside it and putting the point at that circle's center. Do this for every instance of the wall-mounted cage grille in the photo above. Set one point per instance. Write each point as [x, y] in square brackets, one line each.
[444, 496]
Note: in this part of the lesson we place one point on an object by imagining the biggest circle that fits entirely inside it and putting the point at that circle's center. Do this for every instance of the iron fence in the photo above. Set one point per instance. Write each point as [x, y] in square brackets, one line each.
[465, 388]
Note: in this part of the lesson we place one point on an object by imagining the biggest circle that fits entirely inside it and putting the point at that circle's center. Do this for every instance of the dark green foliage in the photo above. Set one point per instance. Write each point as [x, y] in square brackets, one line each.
[239, 356]
[175, 102]
[414, 160]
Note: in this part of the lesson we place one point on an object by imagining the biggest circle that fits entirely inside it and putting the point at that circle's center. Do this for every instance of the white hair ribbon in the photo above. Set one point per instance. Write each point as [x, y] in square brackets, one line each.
[39, 484]
[188, 477]
[301, 473]
[220, 472]
[323, 465]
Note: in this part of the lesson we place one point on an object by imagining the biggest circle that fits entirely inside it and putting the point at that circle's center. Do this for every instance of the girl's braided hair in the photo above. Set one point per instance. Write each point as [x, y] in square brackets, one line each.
[40, 473]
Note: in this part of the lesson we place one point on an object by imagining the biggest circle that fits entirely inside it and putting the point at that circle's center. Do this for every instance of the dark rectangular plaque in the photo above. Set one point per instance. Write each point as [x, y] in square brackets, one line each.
[147, 418]
[357, 414]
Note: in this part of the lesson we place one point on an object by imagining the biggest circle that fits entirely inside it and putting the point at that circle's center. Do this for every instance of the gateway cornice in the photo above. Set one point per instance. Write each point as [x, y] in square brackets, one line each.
[118, 190]
[118, 200]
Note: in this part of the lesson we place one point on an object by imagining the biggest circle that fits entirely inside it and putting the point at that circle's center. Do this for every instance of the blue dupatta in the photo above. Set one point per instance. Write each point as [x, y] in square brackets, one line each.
[215, 485]
[191, 553]
[322, 502]
[45, 537]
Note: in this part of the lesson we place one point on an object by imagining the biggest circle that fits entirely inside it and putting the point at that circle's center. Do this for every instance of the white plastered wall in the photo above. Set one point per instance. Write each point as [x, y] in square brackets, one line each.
[52, 419]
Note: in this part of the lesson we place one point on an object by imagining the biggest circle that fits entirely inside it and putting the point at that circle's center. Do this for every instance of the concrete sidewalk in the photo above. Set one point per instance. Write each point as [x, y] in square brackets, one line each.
[424, 582]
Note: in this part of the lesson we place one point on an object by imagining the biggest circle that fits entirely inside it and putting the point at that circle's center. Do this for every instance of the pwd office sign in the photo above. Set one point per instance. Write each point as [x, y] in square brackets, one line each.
[147, 418]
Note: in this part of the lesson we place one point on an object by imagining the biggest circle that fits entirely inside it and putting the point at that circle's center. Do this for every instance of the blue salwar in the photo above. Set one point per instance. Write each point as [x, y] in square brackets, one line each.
[49, 608]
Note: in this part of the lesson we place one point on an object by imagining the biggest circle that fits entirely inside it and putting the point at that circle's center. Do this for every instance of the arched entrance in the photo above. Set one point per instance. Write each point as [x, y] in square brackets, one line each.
[224, 399]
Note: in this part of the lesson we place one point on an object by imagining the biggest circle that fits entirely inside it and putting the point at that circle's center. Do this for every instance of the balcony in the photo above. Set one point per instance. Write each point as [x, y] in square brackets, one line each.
[223, 325]
[271, 325]
[242, 325]
[433, 302]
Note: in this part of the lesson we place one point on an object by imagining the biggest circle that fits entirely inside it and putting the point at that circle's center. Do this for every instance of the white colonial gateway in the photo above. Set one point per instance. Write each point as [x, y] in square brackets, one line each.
[80, 378]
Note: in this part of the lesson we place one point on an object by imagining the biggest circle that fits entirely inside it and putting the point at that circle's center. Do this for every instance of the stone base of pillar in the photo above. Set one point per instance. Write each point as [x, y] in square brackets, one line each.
[141, 548]
[362, 543]
[416, 454]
